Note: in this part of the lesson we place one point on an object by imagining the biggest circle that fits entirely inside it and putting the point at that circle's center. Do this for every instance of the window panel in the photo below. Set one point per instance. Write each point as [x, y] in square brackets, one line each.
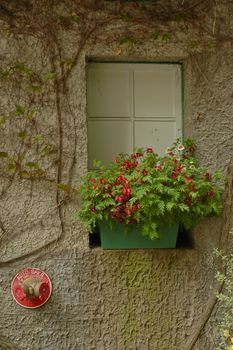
[108, 138]
[155, 134]
[109, 93]
[154, 93]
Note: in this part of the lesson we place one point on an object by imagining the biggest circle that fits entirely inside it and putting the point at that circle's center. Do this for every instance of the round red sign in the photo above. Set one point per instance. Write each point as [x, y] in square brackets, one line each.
[31, 288]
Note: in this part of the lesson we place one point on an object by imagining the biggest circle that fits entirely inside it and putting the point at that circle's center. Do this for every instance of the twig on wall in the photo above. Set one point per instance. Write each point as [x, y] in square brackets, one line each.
[41, 248]
[2, 228]
[215, 16]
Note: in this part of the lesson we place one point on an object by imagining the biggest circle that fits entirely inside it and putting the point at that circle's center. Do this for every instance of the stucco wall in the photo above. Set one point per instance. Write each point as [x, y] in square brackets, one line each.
[146, 300]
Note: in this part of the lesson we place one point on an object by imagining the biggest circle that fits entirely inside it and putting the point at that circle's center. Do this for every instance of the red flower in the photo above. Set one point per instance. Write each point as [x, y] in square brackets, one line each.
[119, 180]
[191, 149]
[138, 155]
[129, 165]
[103, 181]
[119, 199]
[211, 194]
[115, 216]
[136, 206]
[208, 176]
[128, 211]
[158, 167]
[149, 150]
[120, 208]
[126, 191]
[92, 180]
[190, 181]
[178, 168]
[174, 175]
[144, 172]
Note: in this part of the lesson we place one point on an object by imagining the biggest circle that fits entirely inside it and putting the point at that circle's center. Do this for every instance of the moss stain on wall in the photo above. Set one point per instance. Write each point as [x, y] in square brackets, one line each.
[141, 283]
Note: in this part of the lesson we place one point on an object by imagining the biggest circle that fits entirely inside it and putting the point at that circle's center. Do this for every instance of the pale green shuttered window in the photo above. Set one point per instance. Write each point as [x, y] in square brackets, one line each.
[132, 105]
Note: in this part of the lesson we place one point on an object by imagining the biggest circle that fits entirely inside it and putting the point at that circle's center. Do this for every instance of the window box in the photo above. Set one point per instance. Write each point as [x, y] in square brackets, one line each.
[119, 237]
[146, 190]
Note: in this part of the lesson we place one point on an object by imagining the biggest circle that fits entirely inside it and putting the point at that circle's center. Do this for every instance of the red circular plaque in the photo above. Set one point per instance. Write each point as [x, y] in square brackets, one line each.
[31, 288]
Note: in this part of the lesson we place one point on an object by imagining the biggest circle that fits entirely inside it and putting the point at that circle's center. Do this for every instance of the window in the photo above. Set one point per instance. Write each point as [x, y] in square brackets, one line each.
[132, 105]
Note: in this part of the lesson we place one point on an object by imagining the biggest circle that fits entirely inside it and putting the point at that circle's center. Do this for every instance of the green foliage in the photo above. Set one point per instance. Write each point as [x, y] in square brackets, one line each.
[75, 18]
[50, 76]
[211, 44]
[161, 36]
[21, 166]
[21, 67]
[22, 134]
[194, 44]
[19, 110]
[3, 154]
[3, 120]
[36, 88]
[28, 159]
[166, 37]
[39, 138]
[128, 40]
[180, 17]
[148, 189]
[64, 187]
[67, 190]
[155, 36]
[46, 150]
[18, 68]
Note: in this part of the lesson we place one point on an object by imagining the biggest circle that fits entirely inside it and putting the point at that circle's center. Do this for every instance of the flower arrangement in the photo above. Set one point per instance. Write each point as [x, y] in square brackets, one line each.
[149, 189]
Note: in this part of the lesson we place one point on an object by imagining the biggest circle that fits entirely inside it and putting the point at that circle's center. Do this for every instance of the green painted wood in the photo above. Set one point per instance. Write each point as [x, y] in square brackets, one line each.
[119, 238]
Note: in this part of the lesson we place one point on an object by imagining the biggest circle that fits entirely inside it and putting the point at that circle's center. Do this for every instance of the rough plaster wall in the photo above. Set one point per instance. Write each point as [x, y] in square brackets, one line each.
[214, 108]
[146, 300]
[110, 300]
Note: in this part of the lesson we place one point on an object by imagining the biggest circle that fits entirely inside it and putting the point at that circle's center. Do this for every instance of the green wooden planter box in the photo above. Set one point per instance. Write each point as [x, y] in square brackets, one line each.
[118, 238]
